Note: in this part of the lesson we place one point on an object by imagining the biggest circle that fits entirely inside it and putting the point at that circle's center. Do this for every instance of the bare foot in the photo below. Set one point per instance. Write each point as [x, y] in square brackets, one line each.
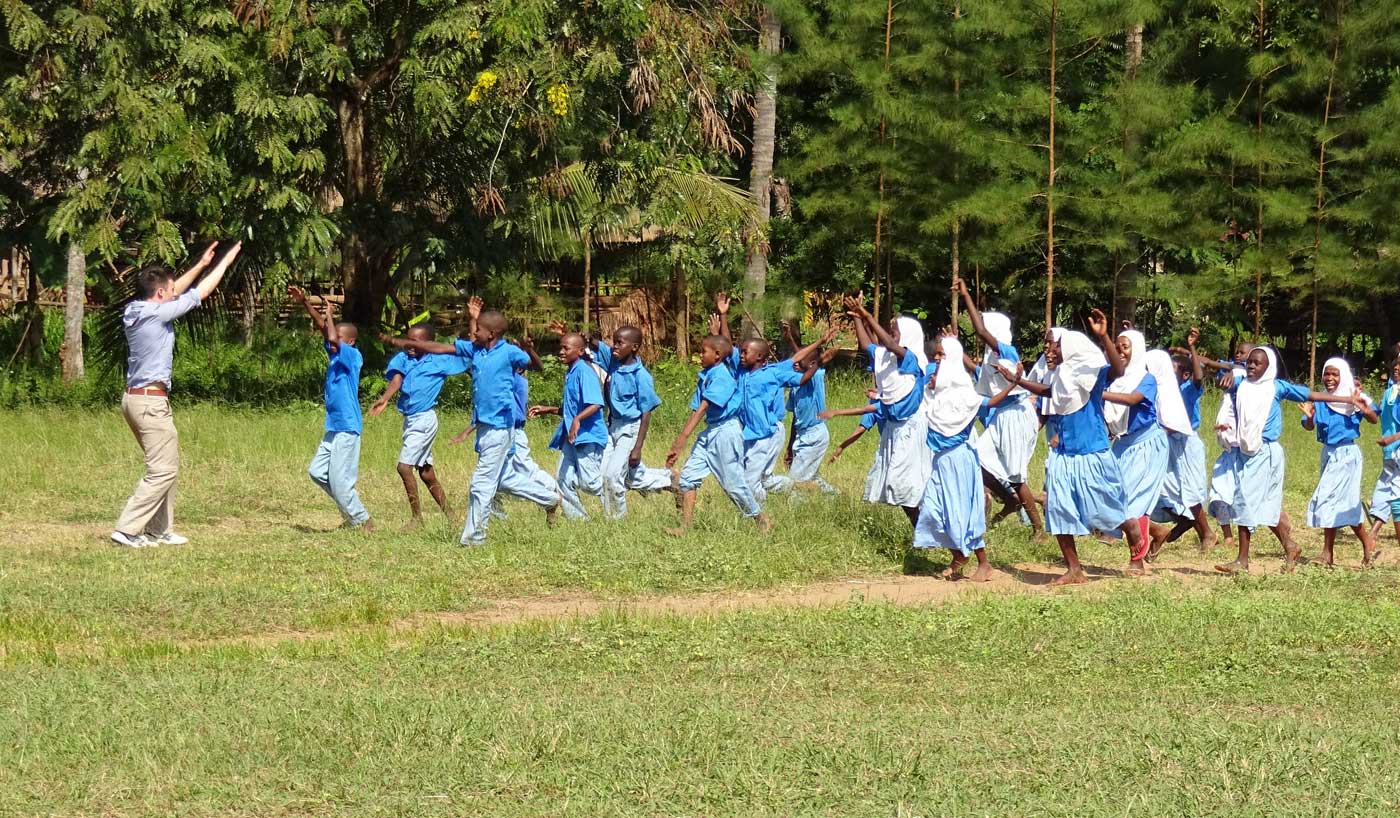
[1138, 568]
[1159, 541]
[1235, 567]
[367, 526]
[552, 514]
[982, 574]
[1209, 542]
[1041, 538]
[764, 523]
[676, 532]
[1326, 559]
[1375, 555]
[954, 569]
[1291, 554]
[412, 525]
[1105, 539]
[1074, 576]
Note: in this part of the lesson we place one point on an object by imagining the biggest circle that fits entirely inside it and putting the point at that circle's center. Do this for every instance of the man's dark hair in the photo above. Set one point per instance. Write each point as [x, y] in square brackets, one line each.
[630, 332]
[151, 279]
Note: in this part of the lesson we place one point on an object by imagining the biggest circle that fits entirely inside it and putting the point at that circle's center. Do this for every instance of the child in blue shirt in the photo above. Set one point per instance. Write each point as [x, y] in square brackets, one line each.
[582, 434]
[809, 438]
[418, 379]
[719, 448]
[1337, 500]
[1385, 500]
[492, 362]
[1185, 491]
[336, 465]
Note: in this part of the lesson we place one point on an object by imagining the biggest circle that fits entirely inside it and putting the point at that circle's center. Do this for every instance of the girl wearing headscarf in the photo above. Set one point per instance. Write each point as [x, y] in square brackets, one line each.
[1006, 447]
[899, 362]
[952, 514]
[1083, 485]
[1139, 442]
[1184, 493]
[1251, 419]
[1385, 500]
[1337, 500]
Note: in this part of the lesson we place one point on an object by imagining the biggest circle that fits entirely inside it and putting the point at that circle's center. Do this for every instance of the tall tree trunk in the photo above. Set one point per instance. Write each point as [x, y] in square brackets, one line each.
[33, 341]
[366, 282]
[1259, 194]
[1050, 185]
[75, 297]
[1125, 277]
[587, 277]
[765, 129]
[880, 208]
[957, 225]
[1322, 184]
[249, 304]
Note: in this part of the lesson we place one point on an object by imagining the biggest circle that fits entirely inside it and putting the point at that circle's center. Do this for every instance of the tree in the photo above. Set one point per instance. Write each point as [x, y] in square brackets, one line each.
[764, 140]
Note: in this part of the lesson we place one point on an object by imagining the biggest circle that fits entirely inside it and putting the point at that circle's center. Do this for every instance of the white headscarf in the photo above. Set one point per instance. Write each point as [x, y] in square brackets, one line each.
[894, 385]
[1345, 389]
[1248, 412]
[951, 402]
[1078, 372]
[989, 380]
[1171, 409]
[1115, 415]
[1040, 372]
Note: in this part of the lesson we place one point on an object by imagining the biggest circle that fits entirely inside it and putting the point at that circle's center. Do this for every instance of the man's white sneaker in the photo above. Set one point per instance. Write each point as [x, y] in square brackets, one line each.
[128, 541]
[171, 538]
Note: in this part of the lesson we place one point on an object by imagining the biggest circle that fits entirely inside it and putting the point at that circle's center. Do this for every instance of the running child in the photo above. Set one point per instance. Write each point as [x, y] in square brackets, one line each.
[1184, 492]
[418, 379]
[582, 434]
[1139, 442]
[1251, 416]
[901, 469]
[809, 438]
[719, 448]
[1010, 430]
[952, 514]
[1337, 500]
[1084, 488]
[336, 465]
[1385, 500]
[492, 362]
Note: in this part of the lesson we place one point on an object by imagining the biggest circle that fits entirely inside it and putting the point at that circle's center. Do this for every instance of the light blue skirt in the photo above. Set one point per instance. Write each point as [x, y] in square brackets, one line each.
[1005, 447]
[1259, 487]
[1084, 492]
[1185, 486]
[953, 515]
[1385, 500]
[1223, 477]
[1142, 463]
[1337, 501]
[900, 472]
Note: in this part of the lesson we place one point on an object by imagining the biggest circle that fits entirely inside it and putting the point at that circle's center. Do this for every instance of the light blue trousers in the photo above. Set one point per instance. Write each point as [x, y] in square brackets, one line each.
[719, 450]
[497, 471]
[336, 469]
[580, 468]
[522, 477]
[618, 478]
[760, 459]
[808, 450]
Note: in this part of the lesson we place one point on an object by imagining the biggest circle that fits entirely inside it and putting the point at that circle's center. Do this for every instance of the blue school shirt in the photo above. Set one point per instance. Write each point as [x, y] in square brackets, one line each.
[1084, 432]
[581, 390]
[1144, 414]
[342, 392]
[1009, 353]
[904, 408]
[1333, 427]
[1390, 414]
[761, 390]
[1191, 396]
[940, 443]
[807, 400]
[1283, 390]
[630, 391]
[521, 389]
[493, 384]
[423, 378]
[717, 385]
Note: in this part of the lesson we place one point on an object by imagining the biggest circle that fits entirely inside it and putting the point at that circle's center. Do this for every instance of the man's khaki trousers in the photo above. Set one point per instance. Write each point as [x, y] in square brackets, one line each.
[151, 509]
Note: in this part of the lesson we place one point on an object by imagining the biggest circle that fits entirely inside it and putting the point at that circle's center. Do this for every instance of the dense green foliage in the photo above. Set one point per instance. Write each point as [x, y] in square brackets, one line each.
[1229, 163]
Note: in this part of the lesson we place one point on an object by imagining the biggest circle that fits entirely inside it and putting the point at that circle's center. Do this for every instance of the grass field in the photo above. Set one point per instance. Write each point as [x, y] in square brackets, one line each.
[265, 669]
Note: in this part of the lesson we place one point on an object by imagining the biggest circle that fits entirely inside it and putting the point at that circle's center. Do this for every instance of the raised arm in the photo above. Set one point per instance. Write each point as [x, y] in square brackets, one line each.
[1198, 374]
[882, 335]
[187, 278]
[804, 353]
[528, 345]
[298, 295]
[210, 282]
[427, 347]
[474, 307]
[789, 335]
[722, 303]
[328, 327]
[858, 321]
[1098, 325]
[974, 315]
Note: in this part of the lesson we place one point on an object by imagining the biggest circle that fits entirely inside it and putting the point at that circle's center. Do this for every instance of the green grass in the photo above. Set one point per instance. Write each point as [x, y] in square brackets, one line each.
[265, 557]
[175, 681]
[1268, 696]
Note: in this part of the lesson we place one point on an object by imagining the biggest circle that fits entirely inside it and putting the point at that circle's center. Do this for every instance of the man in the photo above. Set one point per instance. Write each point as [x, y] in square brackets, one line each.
[150, 337]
